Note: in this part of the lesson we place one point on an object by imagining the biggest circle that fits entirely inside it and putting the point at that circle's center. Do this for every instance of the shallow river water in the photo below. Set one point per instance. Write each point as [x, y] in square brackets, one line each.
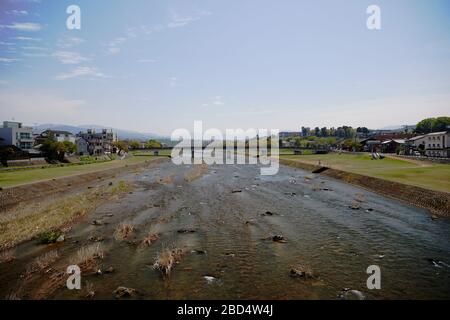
[239, 260]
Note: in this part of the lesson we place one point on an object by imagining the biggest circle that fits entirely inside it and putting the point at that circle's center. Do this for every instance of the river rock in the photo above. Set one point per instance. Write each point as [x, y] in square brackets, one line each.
[121, 292]
[201, 252]
[186, 231]
[210, 279]
[278, 238]
[109, 270]
[350, 294]
[301, 272]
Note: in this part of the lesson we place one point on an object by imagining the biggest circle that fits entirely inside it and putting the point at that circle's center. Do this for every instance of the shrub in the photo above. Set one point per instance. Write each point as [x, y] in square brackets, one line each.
[48, 237]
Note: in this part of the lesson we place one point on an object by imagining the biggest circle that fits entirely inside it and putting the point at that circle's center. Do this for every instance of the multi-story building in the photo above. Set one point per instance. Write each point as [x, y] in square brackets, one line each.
[56, 135]
[82, 146]
[99, 142]
[15, 134]
[436, 144]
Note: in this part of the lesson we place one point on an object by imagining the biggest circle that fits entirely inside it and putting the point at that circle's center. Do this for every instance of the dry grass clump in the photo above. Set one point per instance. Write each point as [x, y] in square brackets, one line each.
[7, 256]
[121, 187]
[166, 180]
[42, 262]
[196, 172]
[87, 255]
[12, 296]
[89, 290]
[124, 231]
[149, 239]
[167, 259]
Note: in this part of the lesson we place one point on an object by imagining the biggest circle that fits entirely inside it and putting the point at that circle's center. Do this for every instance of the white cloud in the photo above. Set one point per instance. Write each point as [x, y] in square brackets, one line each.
[117, 41]
[177, 20]
[114, 45]
[27, 39]
[3, 43]
[67, 57]
[23, 26]
[17, 12]
[3, 82]
[81, 72]
[69, 42]
[34, 48]
[8, 60]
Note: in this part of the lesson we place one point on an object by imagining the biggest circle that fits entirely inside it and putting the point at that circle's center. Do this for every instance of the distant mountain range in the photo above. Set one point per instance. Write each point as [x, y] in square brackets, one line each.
[399, 127]
[122, 134]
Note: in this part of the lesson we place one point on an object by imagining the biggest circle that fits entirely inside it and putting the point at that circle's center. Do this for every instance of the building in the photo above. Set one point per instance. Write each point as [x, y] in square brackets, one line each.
[415, 144]
[392, 146]
[388, 141]
[82, 146]
[15, 134]
[56, 135]
[436, 144]
[289, 134]
[287, 144]
[99, 142]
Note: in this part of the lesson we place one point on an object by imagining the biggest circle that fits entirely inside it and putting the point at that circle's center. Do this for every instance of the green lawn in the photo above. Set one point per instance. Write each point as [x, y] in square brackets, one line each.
[164, 152]
[421, 174]
[285, 151]
[9, 179]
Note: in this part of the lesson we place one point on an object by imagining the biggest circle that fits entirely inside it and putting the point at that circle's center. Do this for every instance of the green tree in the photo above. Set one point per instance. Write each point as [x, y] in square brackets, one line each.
[441, 124]
[153, 144]
[425, 126]
[134, 144]
[5, 154]
[56, 150]
[120, 145]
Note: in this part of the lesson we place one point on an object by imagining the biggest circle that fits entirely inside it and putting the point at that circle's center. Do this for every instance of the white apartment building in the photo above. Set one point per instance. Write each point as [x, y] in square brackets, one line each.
[58, 135]
[15, 134]
[437, 144]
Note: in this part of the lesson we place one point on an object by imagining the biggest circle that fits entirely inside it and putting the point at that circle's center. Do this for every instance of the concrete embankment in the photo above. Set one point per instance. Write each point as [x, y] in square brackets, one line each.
[9, 197]
[436, 202]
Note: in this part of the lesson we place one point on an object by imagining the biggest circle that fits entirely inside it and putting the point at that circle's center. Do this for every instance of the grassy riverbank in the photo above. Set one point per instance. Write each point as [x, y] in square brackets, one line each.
[421, 174]
[15, 178]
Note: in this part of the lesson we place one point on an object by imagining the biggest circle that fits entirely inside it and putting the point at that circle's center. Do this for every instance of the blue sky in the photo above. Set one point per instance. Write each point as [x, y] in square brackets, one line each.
[155, 66]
